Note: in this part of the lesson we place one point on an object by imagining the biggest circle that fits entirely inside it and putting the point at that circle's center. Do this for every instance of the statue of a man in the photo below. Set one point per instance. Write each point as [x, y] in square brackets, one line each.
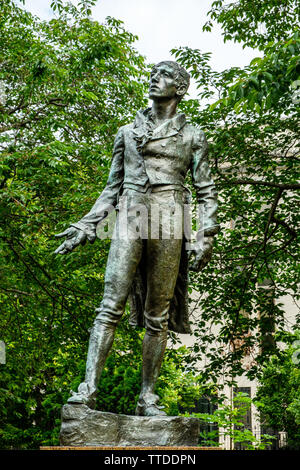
[151, 159]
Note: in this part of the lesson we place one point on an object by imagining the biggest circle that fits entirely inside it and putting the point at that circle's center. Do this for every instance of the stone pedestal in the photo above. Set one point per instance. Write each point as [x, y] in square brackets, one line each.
[82, 426]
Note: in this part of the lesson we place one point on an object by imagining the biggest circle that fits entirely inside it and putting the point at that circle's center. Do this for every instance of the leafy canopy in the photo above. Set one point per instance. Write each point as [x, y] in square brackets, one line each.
[251, 118]
[255, 23]
[66, 87]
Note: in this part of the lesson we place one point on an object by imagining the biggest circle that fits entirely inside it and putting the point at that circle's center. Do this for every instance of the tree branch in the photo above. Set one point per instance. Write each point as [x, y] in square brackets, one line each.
[281, 186]
[285, 225]
[17, 291]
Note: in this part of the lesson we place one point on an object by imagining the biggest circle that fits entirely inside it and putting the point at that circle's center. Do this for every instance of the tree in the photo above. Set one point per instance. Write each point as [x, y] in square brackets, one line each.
[278, 390]
[229, 418]
[66, 87]
[251, 118]
[255, 23]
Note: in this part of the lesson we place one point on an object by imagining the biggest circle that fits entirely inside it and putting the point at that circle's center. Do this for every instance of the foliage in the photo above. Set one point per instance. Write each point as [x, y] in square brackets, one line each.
[279, 390]
[251, 118]
[67, 86]
[229, 419]
[254, 23]
[268, 82]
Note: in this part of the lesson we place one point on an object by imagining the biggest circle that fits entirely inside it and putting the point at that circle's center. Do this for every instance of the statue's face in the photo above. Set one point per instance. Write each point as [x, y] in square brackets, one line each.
[162, 82]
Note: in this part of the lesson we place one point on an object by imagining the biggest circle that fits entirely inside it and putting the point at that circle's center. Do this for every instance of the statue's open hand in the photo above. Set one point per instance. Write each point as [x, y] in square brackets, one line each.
[201, 256]
[74, 236]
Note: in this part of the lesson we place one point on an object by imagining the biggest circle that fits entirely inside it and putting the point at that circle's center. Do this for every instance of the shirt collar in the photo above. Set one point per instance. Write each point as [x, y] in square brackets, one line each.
[169, 126]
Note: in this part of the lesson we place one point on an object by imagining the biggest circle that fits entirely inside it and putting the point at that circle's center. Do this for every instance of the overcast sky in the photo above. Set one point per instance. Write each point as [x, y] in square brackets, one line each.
[162, 25]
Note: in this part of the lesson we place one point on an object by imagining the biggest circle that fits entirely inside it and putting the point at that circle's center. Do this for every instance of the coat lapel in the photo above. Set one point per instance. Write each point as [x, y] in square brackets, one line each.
[169, 128]
[144, 132]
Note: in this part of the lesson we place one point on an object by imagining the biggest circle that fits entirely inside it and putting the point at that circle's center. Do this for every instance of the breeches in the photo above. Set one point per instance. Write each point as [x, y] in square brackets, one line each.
[161, 257]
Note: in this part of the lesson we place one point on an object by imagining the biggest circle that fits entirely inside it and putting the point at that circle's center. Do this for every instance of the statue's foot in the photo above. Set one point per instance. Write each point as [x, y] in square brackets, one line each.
[147, 406]
[84, 396]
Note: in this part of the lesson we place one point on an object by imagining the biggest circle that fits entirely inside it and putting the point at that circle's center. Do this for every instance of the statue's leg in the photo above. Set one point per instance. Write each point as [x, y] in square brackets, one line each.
[101, 340]
[163, 259]
[123, 259]
[153, 352]
[162, 271]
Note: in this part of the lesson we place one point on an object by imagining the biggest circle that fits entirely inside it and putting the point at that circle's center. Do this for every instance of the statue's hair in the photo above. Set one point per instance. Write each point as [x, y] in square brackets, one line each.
[182, 76]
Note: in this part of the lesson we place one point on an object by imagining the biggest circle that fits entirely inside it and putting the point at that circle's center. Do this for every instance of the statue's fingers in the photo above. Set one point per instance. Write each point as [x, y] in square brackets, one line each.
[65, 247]
[58, 250]
[73, 242]
[198, 259]
[62, 234]
[70, 244]
[191, 254]
[193, 264]
[199, 263]
[193, 267]
[81, 238]
[61, 250]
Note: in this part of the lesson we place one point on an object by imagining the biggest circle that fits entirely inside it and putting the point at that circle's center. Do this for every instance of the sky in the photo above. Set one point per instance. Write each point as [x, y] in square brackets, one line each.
[162, 25]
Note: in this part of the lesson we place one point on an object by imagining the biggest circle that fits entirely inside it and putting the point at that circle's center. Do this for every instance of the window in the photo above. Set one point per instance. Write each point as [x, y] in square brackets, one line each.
[247, 418]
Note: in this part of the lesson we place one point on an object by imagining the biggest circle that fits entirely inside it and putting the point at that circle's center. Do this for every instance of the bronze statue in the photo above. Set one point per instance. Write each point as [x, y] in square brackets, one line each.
[150, 161]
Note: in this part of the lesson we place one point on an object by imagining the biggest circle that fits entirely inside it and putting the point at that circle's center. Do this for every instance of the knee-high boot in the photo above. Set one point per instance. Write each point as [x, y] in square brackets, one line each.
[153, 351]
[101, 340]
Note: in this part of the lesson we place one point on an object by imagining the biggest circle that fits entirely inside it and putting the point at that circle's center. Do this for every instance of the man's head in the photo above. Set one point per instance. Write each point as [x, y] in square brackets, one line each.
[167, 80]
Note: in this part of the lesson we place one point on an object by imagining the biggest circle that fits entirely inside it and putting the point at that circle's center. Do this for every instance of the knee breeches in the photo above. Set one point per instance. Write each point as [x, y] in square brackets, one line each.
[161, 258]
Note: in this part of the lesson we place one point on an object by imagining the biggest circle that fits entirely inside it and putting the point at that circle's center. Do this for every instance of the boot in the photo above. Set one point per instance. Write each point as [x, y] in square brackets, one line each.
[101, 340]
[84, 396]
[153, 351]
[147, 405]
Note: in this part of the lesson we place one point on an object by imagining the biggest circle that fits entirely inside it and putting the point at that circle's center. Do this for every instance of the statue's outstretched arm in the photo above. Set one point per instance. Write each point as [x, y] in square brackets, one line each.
[85, 228]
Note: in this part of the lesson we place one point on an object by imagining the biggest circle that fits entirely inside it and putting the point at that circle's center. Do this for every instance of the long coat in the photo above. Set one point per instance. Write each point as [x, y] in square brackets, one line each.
[146, 155]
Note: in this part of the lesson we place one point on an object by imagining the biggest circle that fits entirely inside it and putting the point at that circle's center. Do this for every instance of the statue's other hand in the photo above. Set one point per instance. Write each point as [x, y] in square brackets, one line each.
[74, 237]
[200, 257]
